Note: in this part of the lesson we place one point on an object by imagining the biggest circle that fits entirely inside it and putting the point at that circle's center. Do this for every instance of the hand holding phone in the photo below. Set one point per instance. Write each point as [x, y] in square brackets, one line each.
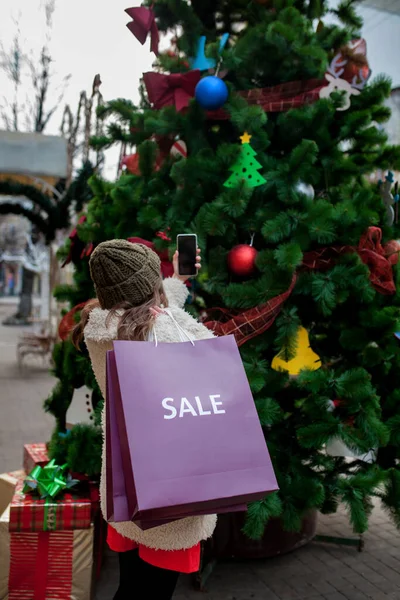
[187, 257]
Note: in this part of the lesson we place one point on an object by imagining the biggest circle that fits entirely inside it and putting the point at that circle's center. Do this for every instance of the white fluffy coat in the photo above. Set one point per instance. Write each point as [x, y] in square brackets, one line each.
[99, 337]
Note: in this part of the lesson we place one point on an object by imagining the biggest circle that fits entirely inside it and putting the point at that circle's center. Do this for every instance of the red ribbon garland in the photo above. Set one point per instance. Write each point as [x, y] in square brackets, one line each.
[143, 23]
[378, 259]
[278, 98]
[176, 89]
[251, 323]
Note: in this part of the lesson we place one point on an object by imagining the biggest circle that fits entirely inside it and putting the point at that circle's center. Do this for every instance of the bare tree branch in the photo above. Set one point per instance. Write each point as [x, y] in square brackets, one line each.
[34, 114]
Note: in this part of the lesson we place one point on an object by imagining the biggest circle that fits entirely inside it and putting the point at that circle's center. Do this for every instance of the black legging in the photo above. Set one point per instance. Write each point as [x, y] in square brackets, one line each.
[140, 580]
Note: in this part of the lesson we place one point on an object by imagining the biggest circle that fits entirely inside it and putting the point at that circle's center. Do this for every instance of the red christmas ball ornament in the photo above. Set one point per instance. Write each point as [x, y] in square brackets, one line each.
[242, 260]
[179, 149]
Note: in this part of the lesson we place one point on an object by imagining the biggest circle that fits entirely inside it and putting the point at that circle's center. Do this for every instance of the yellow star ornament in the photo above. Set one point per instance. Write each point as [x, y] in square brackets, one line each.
[245, 138]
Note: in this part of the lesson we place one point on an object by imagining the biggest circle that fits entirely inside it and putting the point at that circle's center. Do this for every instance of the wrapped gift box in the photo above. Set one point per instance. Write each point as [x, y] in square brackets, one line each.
[46, 564]
[70, 511]
[34, 455]
[4, 554]
[8, 482]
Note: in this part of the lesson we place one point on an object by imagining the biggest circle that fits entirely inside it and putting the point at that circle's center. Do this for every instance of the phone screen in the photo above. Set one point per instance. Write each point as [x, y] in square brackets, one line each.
[187, 247]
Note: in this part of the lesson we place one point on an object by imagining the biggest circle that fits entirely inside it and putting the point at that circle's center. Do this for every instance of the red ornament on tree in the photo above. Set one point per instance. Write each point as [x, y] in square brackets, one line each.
[67, 323]
[355, 61]
[131, 163]
[242, 260]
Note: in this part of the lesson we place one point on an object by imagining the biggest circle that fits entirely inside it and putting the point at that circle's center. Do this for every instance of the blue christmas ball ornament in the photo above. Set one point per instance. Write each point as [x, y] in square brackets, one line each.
[211, 92]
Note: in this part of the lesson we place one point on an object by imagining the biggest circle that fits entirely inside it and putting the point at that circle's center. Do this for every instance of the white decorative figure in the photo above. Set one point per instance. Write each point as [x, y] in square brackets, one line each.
[81, 409]
[385, 191]
[336, 84]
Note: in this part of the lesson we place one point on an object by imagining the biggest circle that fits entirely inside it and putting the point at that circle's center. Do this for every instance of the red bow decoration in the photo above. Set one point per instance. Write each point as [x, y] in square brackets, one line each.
[251, 323]
[68, 322]
[176, 89]
[143, 23]
[167, 268]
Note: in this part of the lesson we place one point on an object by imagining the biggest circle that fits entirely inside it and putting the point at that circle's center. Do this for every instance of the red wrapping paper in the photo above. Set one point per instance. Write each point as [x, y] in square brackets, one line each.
[51, 566]
[34, 455]
[41, 565]
[70, 511]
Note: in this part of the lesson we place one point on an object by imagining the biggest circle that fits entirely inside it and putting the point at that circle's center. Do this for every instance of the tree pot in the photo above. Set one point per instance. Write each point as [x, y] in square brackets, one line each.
[229, 541]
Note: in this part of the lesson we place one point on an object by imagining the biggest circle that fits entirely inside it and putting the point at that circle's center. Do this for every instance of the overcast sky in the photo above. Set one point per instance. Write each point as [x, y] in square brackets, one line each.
[90, 36]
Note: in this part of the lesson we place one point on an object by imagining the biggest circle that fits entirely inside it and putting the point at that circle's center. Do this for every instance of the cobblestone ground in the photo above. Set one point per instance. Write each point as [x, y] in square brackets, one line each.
[315, 572]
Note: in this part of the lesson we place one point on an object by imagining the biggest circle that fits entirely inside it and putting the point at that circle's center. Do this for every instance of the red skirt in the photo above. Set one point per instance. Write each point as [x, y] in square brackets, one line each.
[182, 561]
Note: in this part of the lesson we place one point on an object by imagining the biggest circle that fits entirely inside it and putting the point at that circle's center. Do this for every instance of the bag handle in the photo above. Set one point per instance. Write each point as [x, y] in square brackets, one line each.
[183, 334]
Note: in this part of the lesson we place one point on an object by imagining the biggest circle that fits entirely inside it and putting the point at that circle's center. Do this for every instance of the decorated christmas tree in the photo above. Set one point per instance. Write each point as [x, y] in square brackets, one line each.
[302, 266]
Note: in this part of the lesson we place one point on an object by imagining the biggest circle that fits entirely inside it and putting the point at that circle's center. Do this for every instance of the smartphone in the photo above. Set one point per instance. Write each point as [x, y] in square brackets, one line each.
[187, 249]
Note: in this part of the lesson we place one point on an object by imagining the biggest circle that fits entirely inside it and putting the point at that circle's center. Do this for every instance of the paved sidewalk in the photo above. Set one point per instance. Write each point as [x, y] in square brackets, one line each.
[316, 572]
[22, 391]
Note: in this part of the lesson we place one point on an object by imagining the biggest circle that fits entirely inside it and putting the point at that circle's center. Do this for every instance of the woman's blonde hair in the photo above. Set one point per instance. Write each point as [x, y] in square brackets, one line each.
[135, 322]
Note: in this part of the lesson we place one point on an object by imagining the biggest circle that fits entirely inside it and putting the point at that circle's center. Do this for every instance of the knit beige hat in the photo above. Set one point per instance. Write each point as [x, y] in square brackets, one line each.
[124, 272]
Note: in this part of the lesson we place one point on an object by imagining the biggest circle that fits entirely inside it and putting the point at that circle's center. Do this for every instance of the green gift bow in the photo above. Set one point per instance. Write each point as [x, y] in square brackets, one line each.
[48, 481]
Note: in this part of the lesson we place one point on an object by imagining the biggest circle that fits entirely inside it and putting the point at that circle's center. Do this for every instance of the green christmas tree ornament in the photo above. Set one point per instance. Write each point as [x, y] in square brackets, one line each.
[245, 170]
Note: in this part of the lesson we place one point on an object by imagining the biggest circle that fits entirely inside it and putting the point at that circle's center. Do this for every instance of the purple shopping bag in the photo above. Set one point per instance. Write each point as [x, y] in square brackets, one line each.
[189, 437]
[117, 502]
